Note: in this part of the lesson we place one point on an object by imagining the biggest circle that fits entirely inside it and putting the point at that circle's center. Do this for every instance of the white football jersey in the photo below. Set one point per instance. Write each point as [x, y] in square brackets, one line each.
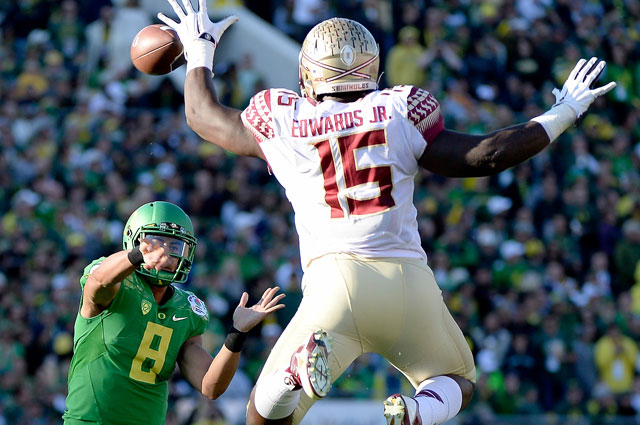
[348, 168]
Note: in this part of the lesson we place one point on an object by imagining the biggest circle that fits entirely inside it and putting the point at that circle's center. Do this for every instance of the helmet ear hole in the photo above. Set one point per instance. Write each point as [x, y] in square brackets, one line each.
[308, 88]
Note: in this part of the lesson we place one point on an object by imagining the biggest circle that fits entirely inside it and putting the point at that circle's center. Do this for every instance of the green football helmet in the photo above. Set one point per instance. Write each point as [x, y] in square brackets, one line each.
[165, 221]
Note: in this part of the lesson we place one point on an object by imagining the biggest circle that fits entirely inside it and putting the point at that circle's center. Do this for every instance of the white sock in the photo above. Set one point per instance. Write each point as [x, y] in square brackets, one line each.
[439, 398]
[275, 397]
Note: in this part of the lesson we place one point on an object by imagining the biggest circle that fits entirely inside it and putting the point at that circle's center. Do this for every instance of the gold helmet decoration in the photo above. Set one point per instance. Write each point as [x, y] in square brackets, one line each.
[338, 55]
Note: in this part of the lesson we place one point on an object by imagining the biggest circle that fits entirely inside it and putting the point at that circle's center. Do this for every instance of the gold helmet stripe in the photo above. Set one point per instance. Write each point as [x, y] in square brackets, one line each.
[336, 69]
[353, 71]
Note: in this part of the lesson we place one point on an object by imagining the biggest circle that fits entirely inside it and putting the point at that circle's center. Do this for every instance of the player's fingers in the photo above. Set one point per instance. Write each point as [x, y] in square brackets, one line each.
[226, 23]
[143, 246]
[187, 6]
[558, 94]
[267, 300]
[593, 75]
[582, 75]
[604, 89]
[150, 240]
[243, 299]
[202, 6]
[176, 8]
[173, 24]
[162, 261]
[203, 18]
[270, 293]
[158, 262]
[274, 308]
[154, 247]
[148, 253]
[576, 69]
[265, 294]
[274, 301]
[163, 251]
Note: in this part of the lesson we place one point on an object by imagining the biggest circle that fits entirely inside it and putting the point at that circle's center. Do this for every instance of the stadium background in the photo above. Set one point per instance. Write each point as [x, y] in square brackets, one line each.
[540, 264]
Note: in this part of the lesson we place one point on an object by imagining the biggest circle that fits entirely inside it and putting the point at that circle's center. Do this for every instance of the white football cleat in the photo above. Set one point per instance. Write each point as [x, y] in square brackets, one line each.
[401, 410]
[309, 365]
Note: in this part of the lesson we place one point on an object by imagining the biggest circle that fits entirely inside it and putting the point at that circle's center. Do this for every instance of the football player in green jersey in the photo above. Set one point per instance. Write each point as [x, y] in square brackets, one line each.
[133, 326]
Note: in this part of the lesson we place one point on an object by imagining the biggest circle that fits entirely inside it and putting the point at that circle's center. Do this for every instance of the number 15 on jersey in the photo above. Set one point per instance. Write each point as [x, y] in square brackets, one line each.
[340, 153]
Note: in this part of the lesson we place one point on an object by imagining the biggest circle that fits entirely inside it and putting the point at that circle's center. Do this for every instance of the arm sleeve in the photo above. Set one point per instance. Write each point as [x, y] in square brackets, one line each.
[258, 118]
[423, 110]
[89, 269]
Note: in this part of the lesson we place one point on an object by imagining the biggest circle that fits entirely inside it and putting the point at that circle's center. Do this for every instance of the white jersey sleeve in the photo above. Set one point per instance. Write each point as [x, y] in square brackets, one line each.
[348, 168]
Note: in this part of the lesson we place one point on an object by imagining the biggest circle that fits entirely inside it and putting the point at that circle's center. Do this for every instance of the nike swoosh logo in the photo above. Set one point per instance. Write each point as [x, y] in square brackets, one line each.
[177, 319]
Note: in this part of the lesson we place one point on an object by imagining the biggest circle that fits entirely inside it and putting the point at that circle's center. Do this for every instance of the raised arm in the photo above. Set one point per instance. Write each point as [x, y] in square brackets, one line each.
[205, 115]
[213, 121]
[454, 154]
[212, 376]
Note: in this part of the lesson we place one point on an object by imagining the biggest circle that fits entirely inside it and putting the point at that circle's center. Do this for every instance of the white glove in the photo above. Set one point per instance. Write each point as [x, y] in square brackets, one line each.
[197, 33]
[574, 99]
[576, 91]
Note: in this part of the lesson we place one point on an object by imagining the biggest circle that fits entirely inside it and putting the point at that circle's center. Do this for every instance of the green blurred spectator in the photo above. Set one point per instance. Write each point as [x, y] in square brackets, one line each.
[627, 253]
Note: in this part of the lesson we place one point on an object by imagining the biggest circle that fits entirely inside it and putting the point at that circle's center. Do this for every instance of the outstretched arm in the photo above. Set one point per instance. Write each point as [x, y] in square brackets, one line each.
[104, 280]
[454, 154]
[213, 121]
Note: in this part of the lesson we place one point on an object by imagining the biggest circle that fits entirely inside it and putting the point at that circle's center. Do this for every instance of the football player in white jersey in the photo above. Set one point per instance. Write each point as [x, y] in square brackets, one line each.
[346, 154]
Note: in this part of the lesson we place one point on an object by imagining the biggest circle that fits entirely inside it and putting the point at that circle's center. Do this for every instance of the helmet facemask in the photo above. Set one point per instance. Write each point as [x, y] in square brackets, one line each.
[170, 224]
[338, 55]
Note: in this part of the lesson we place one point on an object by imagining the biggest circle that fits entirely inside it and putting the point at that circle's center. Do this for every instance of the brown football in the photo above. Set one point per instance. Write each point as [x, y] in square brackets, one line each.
[157, 50]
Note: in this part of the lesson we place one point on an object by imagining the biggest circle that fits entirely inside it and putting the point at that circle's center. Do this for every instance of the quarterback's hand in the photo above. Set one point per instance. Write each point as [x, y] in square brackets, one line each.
[245, 318]
[576, 91]
[157, 255]
[194, 25]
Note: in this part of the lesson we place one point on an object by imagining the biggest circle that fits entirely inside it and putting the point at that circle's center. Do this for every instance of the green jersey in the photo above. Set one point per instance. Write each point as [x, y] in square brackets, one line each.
[124, 356]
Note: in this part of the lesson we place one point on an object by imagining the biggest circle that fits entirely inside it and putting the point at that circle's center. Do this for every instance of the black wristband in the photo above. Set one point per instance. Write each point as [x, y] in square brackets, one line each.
[135, 256]
[235, 340]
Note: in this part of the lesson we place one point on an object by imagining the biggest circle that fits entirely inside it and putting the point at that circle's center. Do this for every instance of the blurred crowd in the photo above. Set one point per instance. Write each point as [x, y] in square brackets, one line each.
[540, 264]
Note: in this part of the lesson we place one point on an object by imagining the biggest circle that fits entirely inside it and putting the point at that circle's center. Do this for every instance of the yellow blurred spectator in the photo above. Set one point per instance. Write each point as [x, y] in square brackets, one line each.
[615, 356]
[403, 63]
[31, 82]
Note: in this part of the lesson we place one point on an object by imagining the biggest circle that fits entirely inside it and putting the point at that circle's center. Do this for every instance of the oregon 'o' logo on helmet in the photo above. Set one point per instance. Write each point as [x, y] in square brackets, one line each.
[338, 55]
